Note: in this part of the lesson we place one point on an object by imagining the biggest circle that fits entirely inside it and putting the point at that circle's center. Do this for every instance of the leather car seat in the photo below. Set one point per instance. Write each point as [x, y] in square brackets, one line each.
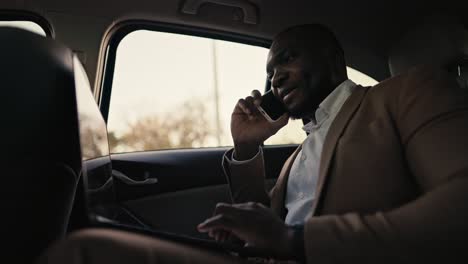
[40, 160]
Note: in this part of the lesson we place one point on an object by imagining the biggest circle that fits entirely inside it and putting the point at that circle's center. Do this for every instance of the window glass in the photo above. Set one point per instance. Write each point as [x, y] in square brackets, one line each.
[177, 91]
[28, 25]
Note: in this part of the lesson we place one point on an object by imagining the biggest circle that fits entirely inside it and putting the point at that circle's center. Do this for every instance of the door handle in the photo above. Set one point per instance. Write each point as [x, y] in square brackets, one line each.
[249, 9]
[129, 181]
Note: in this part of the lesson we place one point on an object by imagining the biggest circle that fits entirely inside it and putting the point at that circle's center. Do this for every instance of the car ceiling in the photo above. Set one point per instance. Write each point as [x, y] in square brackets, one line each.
[367, 29]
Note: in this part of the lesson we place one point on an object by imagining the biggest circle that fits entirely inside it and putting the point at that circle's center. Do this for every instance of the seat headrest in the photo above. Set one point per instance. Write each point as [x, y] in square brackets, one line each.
[437, 40]
[38, 107]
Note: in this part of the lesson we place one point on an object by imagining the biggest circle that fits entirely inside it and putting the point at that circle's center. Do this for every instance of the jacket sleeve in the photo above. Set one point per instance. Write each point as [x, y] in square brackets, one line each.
[246, 179]
[431, 114]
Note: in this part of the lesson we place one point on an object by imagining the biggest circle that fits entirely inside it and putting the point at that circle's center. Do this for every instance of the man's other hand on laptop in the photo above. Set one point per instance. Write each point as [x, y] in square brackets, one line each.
[254, 224]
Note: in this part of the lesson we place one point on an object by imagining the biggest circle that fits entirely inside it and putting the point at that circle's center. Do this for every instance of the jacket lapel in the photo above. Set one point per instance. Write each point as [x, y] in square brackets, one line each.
[279, 191]
[334, 133]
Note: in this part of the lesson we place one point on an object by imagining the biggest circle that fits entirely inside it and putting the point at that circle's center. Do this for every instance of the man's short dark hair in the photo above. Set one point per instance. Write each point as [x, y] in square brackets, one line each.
[321, 35]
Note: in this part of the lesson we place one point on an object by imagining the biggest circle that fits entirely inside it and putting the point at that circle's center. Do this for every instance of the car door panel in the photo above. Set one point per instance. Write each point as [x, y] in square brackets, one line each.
[177, 170]
[187, 184]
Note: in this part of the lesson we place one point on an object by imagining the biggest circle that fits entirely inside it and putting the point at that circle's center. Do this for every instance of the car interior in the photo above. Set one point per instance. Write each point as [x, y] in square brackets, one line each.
[118, 111]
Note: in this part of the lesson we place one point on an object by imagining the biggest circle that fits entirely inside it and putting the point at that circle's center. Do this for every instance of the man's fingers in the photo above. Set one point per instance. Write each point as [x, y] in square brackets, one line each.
[243, 106]
[257, 96]
[226, 217]
[249, 100]
[232, 211]
[246, 107]
[216, 222]
[251, 104]
[220, 235]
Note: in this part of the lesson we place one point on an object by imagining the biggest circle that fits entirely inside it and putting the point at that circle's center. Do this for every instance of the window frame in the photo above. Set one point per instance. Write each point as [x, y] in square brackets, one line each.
[16, 15]
[103, 89]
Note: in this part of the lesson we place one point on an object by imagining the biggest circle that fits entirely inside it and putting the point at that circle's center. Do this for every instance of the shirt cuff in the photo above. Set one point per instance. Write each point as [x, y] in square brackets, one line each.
[239, 162]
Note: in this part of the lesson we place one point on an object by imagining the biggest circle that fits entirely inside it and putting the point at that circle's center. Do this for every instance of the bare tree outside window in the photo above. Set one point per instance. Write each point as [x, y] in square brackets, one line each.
[188, 128]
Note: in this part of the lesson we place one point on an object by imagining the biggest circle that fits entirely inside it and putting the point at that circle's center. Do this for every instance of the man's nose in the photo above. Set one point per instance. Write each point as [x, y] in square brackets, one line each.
[279, 78]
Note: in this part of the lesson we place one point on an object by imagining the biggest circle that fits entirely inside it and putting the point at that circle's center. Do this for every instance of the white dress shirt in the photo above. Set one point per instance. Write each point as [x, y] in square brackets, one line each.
[302, 181]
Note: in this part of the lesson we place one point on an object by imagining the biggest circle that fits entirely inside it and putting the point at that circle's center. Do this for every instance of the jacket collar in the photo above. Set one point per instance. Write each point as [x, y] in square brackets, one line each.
[334, 133]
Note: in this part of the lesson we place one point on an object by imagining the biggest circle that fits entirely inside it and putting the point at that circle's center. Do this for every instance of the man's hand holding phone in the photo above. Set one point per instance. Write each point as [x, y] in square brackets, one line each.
[250, 127]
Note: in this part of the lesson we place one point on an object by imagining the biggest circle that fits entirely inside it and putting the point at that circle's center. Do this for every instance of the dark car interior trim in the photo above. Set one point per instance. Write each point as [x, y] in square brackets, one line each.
[15, 15]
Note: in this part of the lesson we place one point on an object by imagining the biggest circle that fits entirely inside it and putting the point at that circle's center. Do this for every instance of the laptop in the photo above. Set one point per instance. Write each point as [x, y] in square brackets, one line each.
[99, 197]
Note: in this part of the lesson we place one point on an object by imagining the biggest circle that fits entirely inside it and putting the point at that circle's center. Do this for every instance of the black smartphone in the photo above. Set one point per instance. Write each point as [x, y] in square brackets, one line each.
[271, 108]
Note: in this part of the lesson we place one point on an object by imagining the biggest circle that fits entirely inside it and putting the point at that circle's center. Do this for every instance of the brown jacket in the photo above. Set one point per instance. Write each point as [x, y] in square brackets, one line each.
[393, 177]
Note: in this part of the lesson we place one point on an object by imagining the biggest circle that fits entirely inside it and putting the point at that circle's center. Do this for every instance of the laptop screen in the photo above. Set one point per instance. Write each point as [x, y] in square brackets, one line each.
[96, 162]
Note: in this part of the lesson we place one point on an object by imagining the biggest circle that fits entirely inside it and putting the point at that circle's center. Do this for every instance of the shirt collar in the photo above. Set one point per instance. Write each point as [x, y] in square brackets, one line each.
[330, 106]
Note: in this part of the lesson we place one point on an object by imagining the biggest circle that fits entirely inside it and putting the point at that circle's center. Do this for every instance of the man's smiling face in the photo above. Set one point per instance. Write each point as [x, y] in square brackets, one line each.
[299, 73]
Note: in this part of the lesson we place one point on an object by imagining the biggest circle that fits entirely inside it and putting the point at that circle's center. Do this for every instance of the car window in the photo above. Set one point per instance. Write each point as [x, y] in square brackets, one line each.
[174, 91]
[28, 25]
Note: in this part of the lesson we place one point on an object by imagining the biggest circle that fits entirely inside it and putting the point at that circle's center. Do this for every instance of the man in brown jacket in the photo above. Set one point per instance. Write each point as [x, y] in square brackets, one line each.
[391, 169]
[381, 178]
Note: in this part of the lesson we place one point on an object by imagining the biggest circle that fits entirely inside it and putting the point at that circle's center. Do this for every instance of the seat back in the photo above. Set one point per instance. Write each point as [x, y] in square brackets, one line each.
[40, 160]
[437, 40]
